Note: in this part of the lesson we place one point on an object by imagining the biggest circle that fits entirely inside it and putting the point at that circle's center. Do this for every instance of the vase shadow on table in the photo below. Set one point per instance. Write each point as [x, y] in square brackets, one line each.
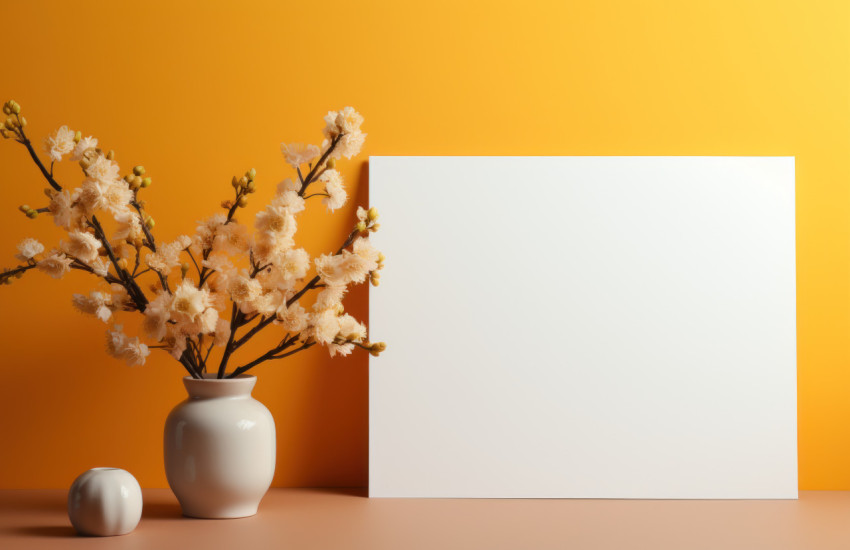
[50, 531]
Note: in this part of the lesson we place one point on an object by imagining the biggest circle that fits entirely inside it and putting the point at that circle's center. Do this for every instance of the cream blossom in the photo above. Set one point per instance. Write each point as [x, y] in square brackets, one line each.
[84, 145]
[189, 302]
[120, 346]
[232, 238]
[66, 213]
[167, 256]
[103, 170]
[333, 187]
[207, 229]
[128, 226]
[28, 249]
[297, 154]
[55, 264]
[289, 200]
[96, 303]
[157, 313]
[288, 185]
[244, 290]
[81, 245]
[59, 143]
[222, 332]
[293, 318]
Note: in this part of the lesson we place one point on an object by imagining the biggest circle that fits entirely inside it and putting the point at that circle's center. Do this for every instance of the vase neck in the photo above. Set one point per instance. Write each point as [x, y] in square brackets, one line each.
[211, 387]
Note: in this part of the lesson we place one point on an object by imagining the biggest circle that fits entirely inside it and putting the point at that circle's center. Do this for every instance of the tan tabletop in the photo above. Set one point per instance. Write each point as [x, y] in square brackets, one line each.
[344, 518]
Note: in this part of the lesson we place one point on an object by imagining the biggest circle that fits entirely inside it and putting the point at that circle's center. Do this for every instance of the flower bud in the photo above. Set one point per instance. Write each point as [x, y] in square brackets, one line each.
[381, 257]
[7, 110]
[122, 263]
[78, 135]
[250, 186]
[252, 173]
[32, 214]
[361, 226]
[24, 208]
[145, 183]
[149, 223]
[331, 163]
[184, 269]
[10, 124]
[139, 170]
[373, 213]
[15, 107]
[111, 154]
[23, 121]
[243, 201]
[243, 181]
[235, 182]
[134, 185]
[374, 227]
[4, 132]
[374, 278]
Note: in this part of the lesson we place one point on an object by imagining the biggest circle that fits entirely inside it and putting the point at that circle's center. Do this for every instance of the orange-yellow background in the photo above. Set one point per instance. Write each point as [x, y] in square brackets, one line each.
[200, 91]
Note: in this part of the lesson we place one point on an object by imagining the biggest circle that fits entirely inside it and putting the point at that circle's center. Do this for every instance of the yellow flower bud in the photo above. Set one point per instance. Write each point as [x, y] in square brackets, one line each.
[373, 213]
[137, 182]
[375, 279]
[331, 163]
[78, 135]
[10, 124]
[139, 170]
[252, 173]
[374, 227]
[250, 187]
[122, 263]
[184, 269]
[381, 257]
[129, 178]
[4, 132]
[24, 208]
[361, 226]
[145, 183]
[15, 107]
[374, 352]
[235, 182]
[111, 154]
[149, 223]
[243, 181]
[32, 214]
[23, 121]
[243, 201]
[7, 110]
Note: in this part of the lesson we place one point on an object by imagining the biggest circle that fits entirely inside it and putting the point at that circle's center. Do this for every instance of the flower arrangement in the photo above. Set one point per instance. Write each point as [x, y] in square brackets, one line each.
[259, 276]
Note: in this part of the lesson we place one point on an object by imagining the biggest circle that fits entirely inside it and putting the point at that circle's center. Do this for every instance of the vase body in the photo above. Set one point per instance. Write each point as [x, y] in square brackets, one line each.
[219, 448]
[105, 502]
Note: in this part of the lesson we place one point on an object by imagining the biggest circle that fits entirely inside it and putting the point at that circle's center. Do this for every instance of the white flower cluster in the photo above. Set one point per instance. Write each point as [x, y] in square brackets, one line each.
[195, 279]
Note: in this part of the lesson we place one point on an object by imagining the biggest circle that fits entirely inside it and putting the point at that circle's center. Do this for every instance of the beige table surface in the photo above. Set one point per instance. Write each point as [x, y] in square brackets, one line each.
[344, 518]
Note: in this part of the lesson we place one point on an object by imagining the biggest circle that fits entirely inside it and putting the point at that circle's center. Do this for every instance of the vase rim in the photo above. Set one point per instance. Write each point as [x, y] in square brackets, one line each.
[238, 386]
[213, 377]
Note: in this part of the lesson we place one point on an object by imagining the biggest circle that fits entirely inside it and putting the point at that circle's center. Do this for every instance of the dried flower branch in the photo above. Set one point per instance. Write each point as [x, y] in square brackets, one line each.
[181, 316]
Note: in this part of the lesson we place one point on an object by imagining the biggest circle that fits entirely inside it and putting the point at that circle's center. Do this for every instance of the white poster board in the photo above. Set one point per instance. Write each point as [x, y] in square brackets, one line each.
[588, 327]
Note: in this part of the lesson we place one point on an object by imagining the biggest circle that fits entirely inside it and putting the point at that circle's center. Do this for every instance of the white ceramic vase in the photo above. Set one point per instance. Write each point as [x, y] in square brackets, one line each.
[105, 502]
[220, 448]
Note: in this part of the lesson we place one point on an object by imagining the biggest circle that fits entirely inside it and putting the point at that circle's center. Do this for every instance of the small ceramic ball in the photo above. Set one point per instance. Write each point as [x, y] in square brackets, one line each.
[104, 502]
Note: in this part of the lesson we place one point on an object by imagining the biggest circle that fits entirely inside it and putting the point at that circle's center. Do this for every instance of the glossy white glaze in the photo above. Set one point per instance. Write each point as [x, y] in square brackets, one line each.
[220, 448]
[105, 502]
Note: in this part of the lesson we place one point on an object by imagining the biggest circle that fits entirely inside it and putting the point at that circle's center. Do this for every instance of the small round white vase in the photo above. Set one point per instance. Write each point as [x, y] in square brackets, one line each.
[220, 448]
[105, 502]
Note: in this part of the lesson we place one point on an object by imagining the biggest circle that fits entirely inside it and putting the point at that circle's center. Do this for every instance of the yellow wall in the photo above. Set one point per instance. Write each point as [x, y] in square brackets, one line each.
[200, 91]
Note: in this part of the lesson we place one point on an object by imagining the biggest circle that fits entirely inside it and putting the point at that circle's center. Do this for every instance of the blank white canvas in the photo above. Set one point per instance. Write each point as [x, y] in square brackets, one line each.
[588, 327]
